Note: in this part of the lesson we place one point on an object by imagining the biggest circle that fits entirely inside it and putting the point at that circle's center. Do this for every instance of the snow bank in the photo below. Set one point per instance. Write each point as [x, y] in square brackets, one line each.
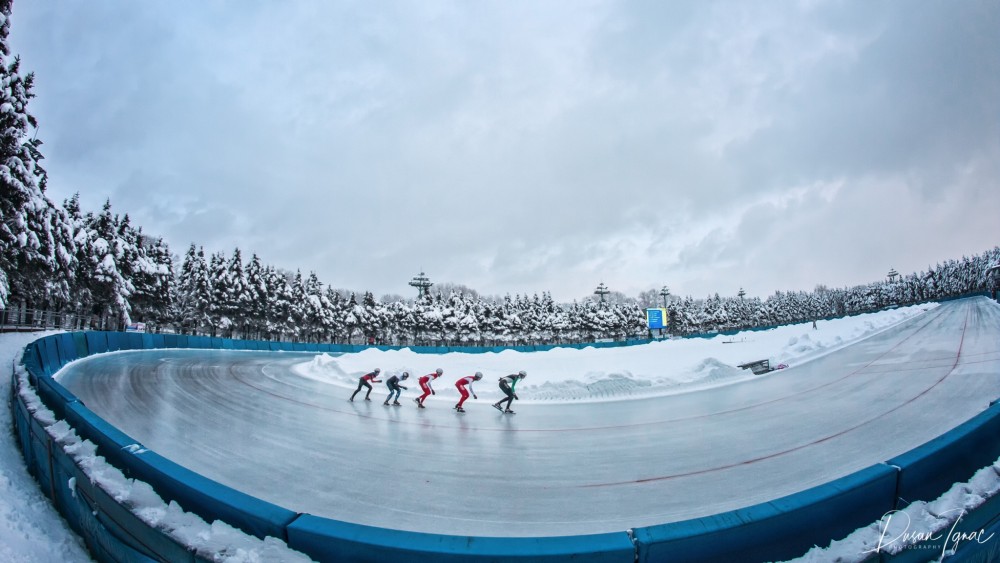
[597, 374]
[903, 529]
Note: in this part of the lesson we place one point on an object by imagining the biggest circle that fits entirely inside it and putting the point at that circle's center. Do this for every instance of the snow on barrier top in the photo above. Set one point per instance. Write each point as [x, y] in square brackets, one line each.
[779, 529]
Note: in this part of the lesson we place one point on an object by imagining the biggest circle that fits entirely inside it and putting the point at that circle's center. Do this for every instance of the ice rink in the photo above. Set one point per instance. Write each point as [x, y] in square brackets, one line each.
[248, 421]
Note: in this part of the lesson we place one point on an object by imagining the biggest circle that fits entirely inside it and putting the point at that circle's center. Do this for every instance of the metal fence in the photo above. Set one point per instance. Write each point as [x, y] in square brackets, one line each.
[21, 319]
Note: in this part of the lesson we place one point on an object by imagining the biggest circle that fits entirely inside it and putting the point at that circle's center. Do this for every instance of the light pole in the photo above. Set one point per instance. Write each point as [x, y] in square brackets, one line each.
[601, 291]
[741, 293]
[665, 293]
[893, 274]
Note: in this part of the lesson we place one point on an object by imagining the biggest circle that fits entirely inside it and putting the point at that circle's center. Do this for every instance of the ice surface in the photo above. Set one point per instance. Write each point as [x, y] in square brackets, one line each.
[604, 439]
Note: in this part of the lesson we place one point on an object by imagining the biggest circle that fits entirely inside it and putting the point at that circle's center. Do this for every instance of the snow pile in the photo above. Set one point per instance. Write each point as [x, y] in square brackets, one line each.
[596, 374]
[217, 541]
[920, 521]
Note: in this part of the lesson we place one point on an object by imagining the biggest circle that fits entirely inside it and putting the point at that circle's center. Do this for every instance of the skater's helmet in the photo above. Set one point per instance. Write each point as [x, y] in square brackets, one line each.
[478, 376]
[439, 371]
[405, 375]
[377, 370]
[522, 374]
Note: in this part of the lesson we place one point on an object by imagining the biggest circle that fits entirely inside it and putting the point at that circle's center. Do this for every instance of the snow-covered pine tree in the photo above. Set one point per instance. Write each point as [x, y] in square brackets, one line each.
[353, 317]
[314, 309]
[239, 298]
[297, 300]
[107, 259]
[152, 301]
[219, 306]
[331, 320]
[259, 296]
[22, 180]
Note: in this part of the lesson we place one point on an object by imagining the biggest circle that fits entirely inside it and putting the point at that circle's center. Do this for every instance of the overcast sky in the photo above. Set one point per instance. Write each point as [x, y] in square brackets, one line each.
[520, 147]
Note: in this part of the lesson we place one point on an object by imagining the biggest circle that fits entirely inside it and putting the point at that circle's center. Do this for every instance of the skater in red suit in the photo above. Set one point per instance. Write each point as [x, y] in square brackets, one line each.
[425, 384]
[365, 382]
[464, 387]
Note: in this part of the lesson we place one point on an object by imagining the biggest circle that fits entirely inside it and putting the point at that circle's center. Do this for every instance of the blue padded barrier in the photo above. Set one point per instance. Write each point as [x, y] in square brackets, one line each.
[110, 441]
[133, 341]
[23, 429]
[116, 340]
[63, 469]
[225, 344]
[932, 468]
[97, 342]
[198, 342]
[105, 539]
[171, 341]
[215, 343]
[67, 348]
[298, 347]
[55, 396]
[50, 355]
[774, 531]
[80, 339]
[208, 499]
[41, 455]
[133, 532]
[330, 540]
[33, 362]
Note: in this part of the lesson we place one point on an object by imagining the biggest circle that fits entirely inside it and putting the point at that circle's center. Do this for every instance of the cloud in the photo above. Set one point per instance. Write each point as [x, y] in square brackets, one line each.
[517, 147]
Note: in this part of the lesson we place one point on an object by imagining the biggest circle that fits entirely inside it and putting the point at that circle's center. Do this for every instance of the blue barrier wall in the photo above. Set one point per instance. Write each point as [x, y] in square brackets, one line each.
[929, 470]
[780, 529]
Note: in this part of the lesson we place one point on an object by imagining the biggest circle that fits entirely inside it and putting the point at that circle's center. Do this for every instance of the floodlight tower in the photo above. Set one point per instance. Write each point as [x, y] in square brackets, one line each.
[422, 283]
[892, 275]
[601, 291]
[664, 293]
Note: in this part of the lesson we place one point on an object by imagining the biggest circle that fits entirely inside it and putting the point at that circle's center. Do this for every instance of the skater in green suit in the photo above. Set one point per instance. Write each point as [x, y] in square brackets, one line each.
[507, 383]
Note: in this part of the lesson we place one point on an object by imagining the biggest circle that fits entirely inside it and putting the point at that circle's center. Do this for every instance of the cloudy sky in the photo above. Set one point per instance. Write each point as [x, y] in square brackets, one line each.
[524, 146]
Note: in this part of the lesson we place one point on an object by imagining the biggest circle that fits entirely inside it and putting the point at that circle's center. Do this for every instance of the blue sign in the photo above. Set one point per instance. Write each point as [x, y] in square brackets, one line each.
[656, 318]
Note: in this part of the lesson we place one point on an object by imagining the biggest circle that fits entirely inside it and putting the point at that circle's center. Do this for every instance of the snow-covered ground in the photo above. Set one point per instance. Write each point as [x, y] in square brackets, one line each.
[31, 530]
[595, 374]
